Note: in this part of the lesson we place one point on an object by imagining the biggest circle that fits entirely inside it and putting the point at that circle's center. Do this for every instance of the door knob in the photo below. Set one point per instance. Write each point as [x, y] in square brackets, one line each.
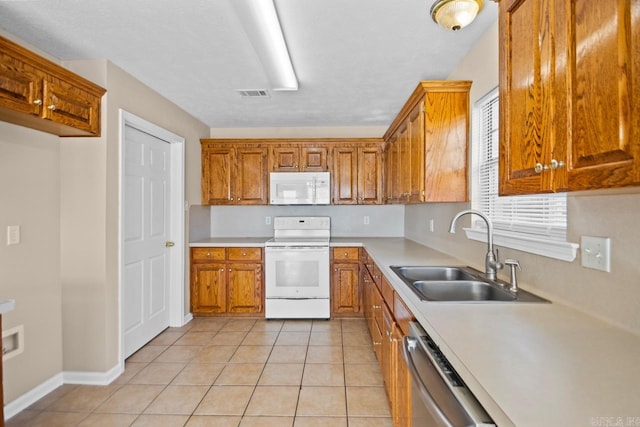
[169, 244]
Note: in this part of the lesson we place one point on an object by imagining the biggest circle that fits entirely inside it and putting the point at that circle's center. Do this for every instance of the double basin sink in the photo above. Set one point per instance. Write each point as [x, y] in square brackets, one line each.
[458, 284]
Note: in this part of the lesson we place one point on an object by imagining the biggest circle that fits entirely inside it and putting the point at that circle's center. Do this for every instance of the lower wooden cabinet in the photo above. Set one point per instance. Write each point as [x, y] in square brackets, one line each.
[346, 294]
[227, 281]
[386, 336]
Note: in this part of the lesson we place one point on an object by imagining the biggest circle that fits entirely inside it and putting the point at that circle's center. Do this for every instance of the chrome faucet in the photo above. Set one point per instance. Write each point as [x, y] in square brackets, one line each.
[491, 263]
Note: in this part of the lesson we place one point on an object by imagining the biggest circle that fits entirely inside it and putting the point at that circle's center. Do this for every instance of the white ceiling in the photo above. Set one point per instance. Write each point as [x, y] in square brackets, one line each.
[356, 61]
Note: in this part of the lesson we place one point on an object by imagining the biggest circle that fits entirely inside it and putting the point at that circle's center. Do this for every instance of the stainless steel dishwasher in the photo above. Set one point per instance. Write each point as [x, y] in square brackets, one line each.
[439, 397]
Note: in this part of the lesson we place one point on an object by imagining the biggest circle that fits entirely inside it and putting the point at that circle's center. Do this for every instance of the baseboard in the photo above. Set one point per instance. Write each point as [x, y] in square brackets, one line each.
[93, 378]
[67, 377]
[188, 318]
[32, 396]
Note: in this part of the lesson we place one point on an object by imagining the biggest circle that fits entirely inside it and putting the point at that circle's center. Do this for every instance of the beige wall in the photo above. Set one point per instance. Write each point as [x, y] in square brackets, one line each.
[90, 255]
[64, 194]
[615, 296]
[30, 271]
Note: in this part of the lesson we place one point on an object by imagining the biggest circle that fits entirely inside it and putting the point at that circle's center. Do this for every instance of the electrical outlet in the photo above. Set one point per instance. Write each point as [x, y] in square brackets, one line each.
[13, 235]
[596, 253]
[366, 220]
[431, 226]
[267, 220]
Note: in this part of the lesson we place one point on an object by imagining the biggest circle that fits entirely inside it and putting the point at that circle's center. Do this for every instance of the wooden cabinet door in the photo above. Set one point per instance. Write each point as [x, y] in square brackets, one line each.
[387, 359]
[217, 175]
[404, 164]
[401, 400]
[345, 176]
[251, 182]
[245, 288]
[285, 159]
[599, 87]
[345, 289]
[526, 95]
[370, 176]
[313, 159]
[20, 86]
[446, 140]
[208, 288]
[415, 129]
[68, 105]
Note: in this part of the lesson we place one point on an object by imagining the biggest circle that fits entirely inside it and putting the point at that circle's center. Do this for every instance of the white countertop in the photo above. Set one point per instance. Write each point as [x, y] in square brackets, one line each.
[7, 305]
[529, 364]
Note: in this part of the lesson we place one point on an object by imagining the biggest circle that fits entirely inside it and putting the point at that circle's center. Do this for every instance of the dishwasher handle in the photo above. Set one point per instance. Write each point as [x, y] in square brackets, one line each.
[410, 344]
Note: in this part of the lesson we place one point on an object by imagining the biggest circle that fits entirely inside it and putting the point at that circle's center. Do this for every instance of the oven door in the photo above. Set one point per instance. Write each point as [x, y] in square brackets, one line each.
[297, 272]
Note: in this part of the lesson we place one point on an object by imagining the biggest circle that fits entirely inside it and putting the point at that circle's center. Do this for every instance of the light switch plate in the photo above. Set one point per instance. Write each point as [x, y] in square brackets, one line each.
[596, 253]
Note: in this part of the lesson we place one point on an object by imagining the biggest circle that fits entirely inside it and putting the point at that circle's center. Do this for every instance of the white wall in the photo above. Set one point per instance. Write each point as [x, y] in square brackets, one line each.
[615, 296]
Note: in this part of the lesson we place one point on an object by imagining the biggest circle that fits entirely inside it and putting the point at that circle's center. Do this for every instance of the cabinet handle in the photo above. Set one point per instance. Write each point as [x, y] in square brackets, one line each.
[51, 107]
[38, 102]
[555, 164]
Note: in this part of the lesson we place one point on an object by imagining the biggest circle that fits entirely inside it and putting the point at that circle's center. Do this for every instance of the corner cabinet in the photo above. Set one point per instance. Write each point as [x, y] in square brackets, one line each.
[41, 95]
[569, 95]
[227, 281]
[234, 174]
[427, 145]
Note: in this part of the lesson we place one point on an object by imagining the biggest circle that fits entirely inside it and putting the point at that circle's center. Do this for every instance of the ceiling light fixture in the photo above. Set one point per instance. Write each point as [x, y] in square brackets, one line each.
[455, 14]
[260, 22]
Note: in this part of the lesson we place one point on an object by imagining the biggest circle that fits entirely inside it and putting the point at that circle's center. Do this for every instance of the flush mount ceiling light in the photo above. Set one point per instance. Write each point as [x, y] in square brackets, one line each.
[260, 22]
[455, 14]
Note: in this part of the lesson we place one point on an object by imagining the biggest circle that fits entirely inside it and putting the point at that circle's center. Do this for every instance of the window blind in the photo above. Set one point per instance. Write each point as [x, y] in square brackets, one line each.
[541, 215]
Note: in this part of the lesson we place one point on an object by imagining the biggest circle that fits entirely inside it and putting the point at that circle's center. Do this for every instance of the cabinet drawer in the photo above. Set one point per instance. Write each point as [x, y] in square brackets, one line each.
[203, 254]
[402, 314]
[346, 254]
[387, 292]
[245, 254]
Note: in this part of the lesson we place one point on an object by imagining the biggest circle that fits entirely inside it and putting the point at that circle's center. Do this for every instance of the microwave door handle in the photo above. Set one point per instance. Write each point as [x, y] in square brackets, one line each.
[424, 394]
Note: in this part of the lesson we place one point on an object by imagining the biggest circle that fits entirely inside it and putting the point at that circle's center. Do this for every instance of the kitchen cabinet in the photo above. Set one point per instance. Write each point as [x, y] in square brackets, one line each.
[234, 175]
[39, 94]
[357, 175]
[569, 91]
[227, 281]
[427, 144]
[380, 305]
[346, 298]
[298, 158]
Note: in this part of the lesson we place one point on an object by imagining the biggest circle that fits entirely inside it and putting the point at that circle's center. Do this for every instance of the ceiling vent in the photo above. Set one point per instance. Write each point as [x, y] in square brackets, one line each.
[253, 93]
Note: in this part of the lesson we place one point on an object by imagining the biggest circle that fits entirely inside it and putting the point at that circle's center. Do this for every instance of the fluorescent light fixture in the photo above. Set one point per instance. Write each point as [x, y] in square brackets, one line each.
[260, 22]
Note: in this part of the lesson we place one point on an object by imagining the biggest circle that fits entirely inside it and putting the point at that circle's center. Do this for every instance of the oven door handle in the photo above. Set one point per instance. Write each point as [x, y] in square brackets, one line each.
[410, 344]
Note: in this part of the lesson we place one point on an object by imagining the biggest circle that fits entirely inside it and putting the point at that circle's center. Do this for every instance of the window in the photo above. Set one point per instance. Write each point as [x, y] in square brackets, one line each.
[535, 223]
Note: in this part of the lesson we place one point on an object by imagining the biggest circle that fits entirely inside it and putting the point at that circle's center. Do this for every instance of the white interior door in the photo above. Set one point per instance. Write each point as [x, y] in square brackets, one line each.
[147, 227]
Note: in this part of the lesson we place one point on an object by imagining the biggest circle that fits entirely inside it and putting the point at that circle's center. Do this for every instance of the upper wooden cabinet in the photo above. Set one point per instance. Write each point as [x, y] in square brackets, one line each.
[234, 174]
[357, 174]
[298, 158]
[569, 95]
[39, 94]
[427, 145]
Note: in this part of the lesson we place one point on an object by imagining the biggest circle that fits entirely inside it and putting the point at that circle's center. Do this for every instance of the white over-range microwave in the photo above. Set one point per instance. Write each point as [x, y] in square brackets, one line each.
[299, 188]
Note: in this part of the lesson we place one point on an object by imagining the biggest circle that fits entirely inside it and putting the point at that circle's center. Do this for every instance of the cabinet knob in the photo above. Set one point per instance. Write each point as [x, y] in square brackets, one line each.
[555, 164]
[222, 269]
[244, 254]
[51, 107]
[37, 101]
[208, 253]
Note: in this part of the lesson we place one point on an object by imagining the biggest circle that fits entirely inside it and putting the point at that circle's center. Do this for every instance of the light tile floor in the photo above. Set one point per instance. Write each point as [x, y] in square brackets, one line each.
[234, 372]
